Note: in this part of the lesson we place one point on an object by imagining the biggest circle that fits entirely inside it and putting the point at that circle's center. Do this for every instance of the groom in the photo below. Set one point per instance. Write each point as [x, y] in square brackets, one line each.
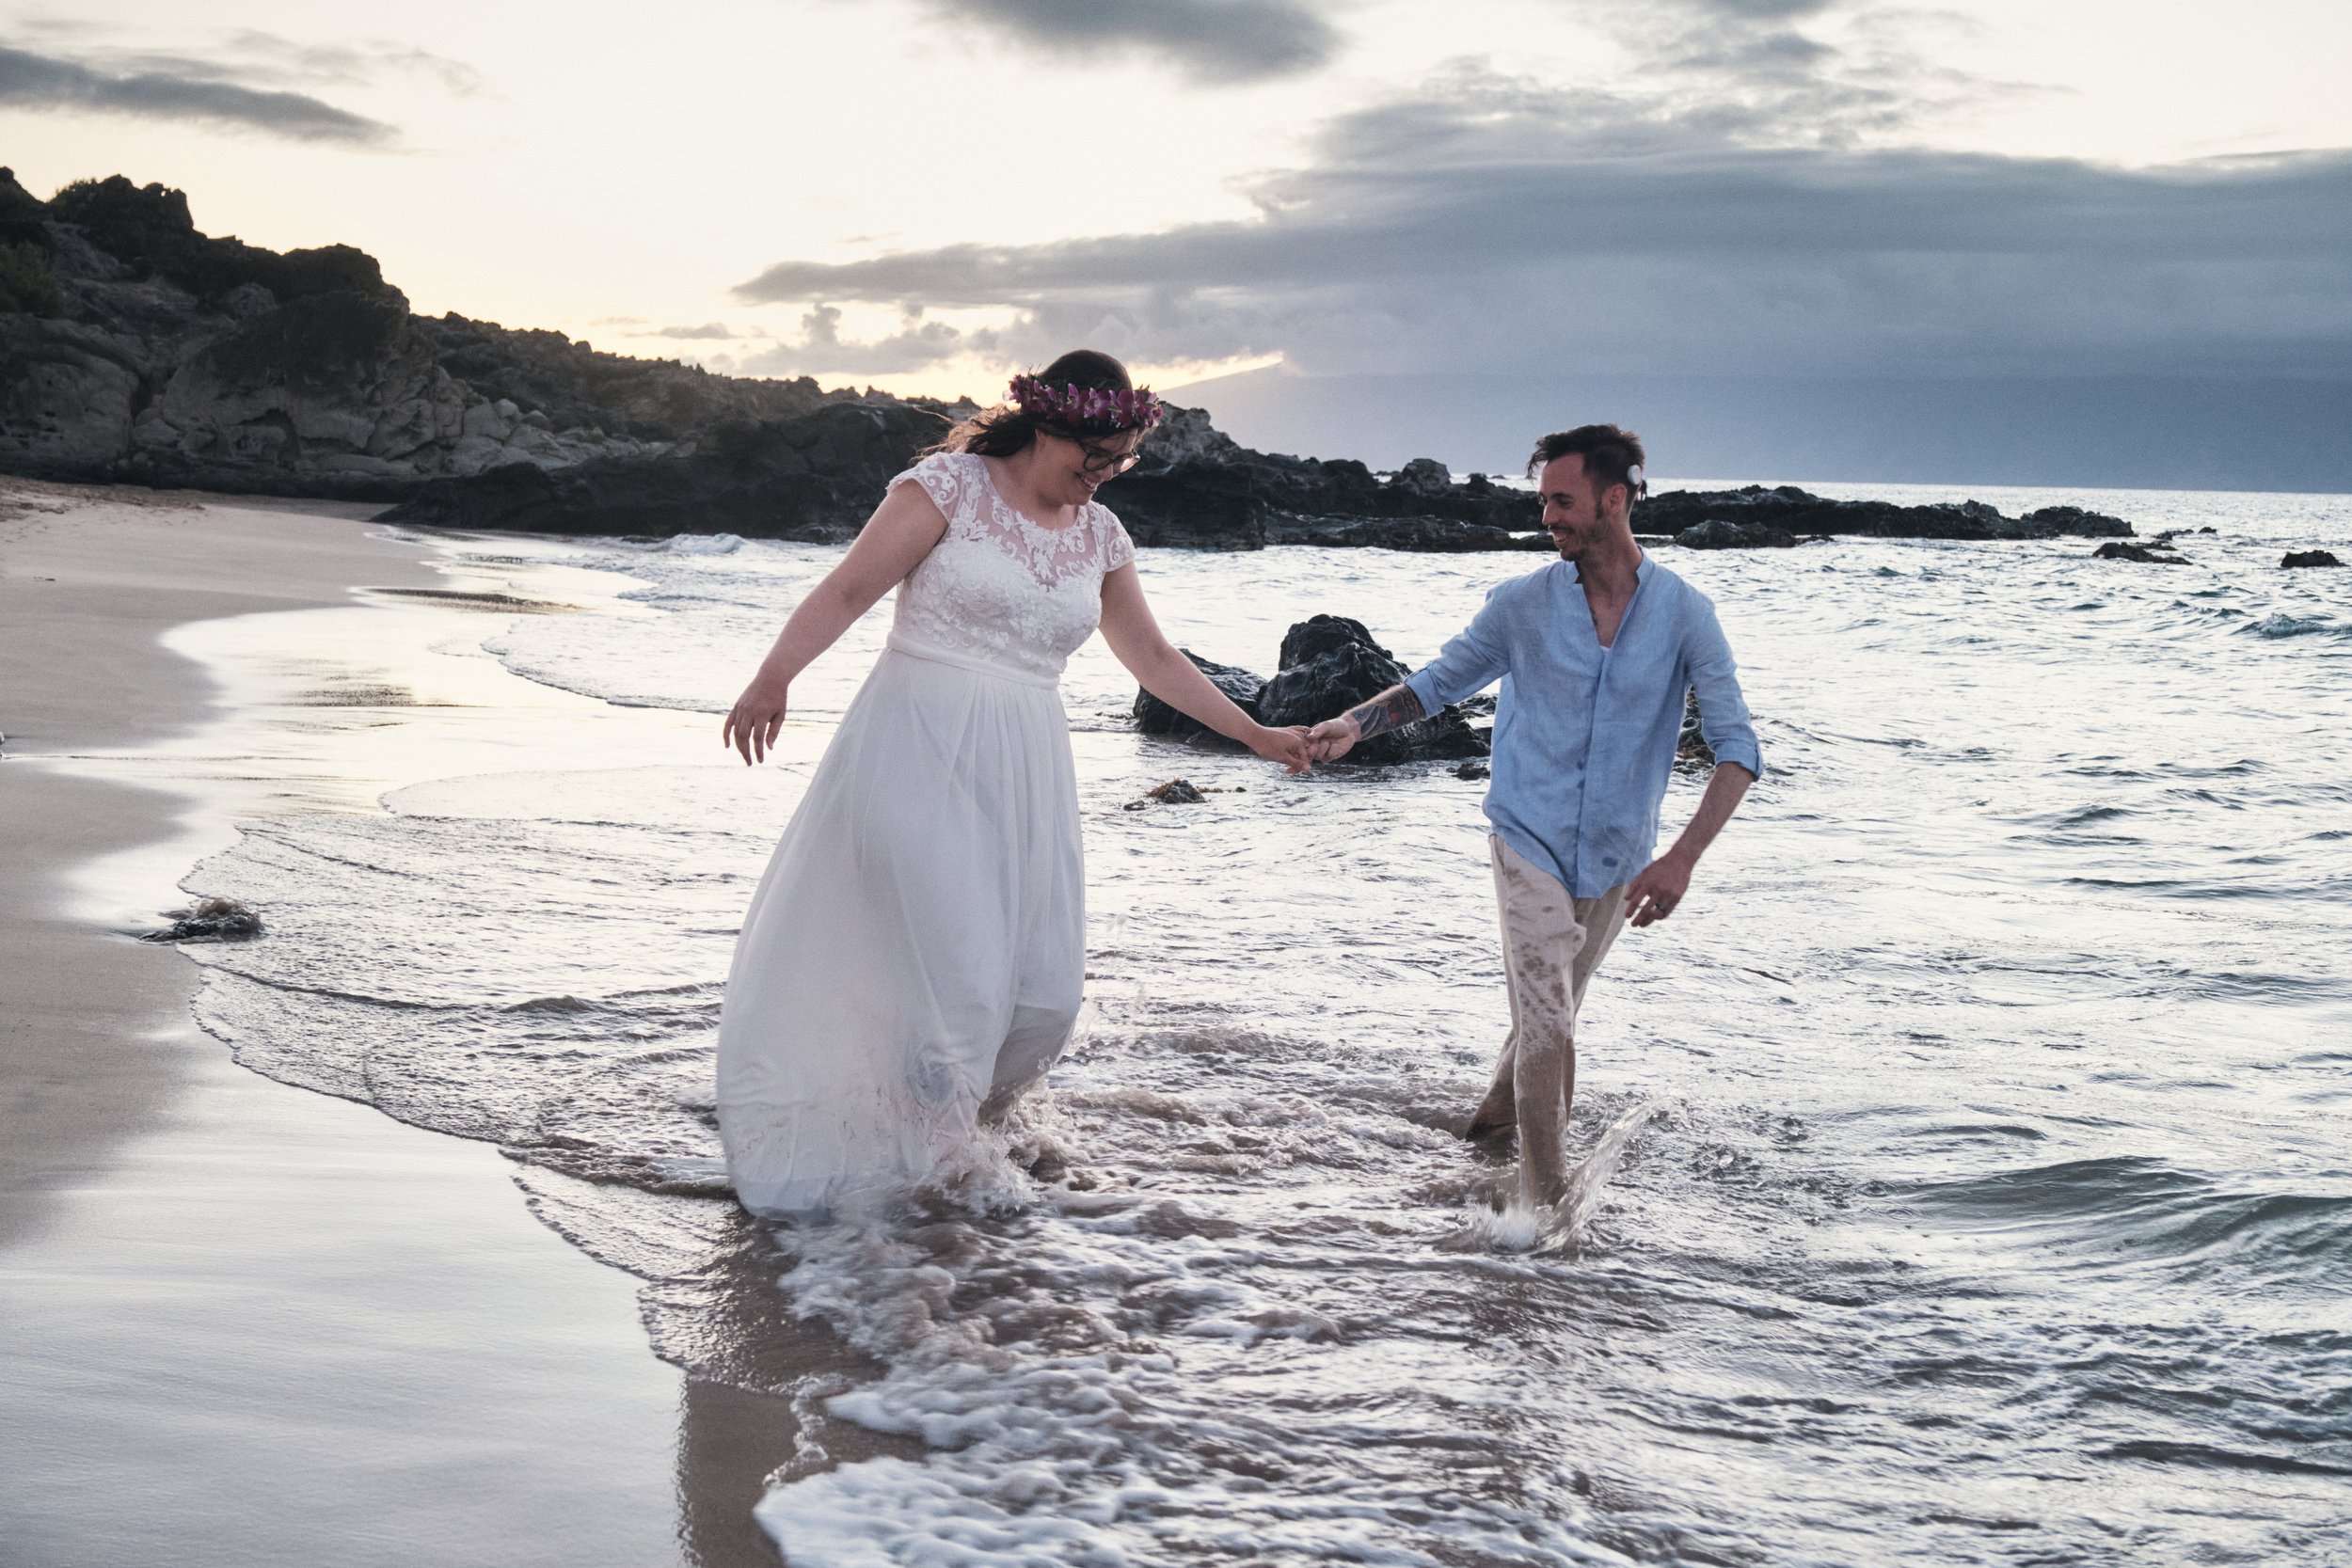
[1594, 653]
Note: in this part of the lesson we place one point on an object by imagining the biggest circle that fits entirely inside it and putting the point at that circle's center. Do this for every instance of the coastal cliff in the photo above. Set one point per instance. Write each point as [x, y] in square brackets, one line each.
[136, 349]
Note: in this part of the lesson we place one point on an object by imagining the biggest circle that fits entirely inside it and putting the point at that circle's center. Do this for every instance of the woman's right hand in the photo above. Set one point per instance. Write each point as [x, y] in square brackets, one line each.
[752, 723]
[1287, 746]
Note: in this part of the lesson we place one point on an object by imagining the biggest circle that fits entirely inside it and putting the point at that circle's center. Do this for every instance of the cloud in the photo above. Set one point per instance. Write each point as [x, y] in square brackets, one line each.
[707, 330]
[1766, 10]
[1211, 40]
[181, 89]
[351, 63]
[1496, 224]
[917, 346]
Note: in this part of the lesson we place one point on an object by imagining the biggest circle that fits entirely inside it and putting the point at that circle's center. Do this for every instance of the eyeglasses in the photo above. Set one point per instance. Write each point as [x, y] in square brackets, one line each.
[1102, 460]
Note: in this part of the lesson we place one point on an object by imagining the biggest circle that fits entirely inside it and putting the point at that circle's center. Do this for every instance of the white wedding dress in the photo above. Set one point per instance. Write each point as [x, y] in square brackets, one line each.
[917, 947]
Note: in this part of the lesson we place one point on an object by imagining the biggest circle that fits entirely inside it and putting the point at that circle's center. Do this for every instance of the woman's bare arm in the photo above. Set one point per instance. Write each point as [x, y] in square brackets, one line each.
[894, 542]
[1136, 638]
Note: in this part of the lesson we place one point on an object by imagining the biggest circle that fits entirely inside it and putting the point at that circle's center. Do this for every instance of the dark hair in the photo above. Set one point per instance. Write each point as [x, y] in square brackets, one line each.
[1609, 452]
[1007, 429]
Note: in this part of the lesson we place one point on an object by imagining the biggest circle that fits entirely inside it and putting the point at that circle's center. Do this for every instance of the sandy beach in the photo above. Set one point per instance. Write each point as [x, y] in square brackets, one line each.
[251, 1325]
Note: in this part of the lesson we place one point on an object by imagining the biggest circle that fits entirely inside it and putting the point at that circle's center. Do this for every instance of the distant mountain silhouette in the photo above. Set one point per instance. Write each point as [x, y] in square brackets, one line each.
[2122, 432]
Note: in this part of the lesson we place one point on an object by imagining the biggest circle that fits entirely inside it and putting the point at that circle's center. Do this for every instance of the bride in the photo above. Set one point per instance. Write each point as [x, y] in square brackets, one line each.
[912, 960]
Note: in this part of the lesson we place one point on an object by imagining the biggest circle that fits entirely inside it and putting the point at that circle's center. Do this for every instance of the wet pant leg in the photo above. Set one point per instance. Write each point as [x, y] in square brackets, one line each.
[1552, 944]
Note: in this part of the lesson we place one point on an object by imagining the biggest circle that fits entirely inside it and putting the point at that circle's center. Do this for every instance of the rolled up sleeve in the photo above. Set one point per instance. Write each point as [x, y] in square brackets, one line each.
[1473, 659]
[1723, 710]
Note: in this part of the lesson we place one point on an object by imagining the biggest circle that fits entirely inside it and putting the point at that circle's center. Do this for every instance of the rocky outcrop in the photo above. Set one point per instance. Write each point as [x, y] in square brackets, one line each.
[136, 348]
[210, 920]
[1328, 664]
[1755, 512]
[2144, 554]
[1718, 533]
[1196, 489]
[1691, 747]
[2309, 557]
[1154, 716]
[813, 477]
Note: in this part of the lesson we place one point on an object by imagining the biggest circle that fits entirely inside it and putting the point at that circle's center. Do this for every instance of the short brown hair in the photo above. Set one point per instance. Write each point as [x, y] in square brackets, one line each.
[1610, 452]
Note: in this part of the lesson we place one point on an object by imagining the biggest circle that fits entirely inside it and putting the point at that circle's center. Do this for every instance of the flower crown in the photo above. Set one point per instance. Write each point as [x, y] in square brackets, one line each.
[1088, 408]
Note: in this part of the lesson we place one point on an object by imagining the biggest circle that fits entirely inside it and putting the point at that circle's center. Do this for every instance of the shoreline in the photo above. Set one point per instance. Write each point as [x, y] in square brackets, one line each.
[90, 581]
[251, 1324]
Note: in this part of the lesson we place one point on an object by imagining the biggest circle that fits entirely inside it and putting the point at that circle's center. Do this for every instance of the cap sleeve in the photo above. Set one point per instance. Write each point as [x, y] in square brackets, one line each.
[947, 478]
[1118, 549]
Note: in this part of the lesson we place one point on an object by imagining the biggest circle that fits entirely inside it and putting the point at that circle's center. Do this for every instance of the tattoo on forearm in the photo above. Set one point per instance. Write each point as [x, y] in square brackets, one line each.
[1392, 710]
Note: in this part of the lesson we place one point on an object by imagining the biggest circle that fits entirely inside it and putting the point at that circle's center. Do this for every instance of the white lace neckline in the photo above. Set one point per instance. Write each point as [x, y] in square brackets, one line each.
[987, 477]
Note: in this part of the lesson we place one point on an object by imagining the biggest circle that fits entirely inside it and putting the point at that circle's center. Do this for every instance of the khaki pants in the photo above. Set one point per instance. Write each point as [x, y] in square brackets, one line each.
[1552, 943]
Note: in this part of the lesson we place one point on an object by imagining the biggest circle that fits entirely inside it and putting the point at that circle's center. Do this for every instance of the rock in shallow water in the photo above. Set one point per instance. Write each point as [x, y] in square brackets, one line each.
[1154, 716]
[1330, 663]
[2116, 550]
[1789, 510]
[1716, 533]
[1691, 745]
[212, 920]
[1198, 489]
[2309, 557]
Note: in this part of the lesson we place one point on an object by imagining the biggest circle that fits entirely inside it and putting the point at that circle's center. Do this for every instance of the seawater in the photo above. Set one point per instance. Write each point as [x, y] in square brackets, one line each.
[1981, 1187]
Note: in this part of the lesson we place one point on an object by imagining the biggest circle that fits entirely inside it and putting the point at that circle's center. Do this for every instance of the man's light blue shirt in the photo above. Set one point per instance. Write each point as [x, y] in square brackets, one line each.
[1585, 735]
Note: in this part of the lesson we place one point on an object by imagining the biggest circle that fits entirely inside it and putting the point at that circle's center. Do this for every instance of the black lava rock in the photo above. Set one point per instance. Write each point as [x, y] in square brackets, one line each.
[1717, 533]
[813, 477]
[1434, 536]
[2116, 550]
[1798, 511]
[1154, 716]
[1691, 745]
[212, 920]
[1197, 489]
[1330, 663]
[2309, 557]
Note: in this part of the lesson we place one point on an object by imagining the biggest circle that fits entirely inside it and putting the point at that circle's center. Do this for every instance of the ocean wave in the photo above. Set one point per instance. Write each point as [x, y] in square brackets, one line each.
[704, 544]
[2279, 624]
[2125, 1209]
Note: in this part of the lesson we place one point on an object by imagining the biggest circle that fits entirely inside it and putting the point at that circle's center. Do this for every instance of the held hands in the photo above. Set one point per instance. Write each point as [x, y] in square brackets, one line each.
[1330, 740]
[752, 724]
[1287, 746]
[1657, 890]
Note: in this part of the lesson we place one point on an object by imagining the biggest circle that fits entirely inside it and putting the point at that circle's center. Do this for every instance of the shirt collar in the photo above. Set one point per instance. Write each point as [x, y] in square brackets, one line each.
[1640, 573]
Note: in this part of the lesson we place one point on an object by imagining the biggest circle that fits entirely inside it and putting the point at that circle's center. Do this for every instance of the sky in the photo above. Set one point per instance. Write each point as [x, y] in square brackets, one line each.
[920, 195]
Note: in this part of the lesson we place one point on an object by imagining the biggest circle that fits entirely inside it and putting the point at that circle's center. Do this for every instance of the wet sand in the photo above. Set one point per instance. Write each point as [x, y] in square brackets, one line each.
[249, 1324]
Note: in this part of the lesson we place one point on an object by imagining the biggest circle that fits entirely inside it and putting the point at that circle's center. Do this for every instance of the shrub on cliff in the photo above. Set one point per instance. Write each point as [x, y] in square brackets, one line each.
[148, 228]
[17, 205]
[26, 285]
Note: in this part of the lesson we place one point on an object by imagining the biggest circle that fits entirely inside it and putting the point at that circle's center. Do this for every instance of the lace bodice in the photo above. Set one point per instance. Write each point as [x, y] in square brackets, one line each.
[998, 589]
